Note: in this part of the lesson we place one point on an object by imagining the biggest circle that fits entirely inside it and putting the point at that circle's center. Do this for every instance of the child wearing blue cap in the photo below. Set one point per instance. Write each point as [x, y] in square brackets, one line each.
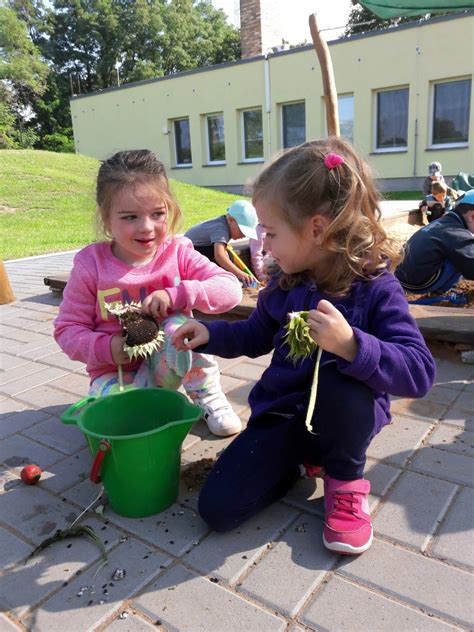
[211, 237]
[439, 254]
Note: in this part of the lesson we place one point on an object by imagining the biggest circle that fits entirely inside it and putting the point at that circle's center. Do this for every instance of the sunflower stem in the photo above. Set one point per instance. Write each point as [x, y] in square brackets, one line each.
[120, 377]
[312, 395]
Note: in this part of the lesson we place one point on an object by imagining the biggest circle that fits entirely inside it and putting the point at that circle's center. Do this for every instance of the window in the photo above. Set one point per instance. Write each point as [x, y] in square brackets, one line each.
[215, 138]
[392, 120]
[252, 135]
[182, 142]
[451, 105]
[293, 121]
[345, 105]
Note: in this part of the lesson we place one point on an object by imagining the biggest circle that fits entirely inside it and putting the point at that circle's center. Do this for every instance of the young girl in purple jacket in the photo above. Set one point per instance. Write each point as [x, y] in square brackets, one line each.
[319, 206]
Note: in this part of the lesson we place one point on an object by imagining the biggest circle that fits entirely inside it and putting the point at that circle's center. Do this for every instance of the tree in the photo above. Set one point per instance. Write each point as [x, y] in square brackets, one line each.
[22, 76]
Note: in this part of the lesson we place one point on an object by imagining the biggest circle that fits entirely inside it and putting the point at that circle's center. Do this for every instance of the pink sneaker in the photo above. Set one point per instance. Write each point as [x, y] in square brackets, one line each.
[347, 525]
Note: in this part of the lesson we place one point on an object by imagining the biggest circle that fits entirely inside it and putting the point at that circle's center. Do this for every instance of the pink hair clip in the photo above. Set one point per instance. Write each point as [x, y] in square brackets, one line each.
[333, 160]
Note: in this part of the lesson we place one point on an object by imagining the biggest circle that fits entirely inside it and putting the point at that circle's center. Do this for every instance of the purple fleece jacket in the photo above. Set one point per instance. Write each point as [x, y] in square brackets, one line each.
[392, 357]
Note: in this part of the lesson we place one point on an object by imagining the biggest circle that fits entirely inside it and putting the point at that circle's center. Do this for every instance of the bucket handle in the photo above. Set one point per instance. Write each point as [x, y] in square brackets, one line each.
[70, 415]
[104, 447]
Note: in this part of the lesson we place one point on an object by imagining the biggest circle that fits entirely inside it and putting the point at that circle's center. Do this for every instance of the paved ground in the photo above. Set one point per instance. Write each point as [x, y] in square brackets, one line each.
[273, 574]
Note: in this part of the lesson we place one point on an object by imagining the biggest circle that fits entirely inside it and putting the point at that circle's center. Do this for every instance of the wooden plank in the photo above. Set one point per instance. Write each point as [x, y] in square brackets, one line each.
[449, 324]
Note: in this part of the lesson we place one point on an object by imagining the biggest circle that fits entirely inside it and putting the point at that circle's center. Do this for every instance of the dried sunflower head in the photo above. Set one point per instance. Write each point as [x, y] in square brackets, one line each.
[298, 337]
[141, 332]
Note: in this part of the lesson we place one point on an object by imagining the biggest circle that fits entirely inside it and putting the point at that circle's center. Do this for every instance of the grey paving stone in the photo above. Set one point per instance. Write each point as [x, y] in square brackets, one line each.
[308, 495]
[458, 417]
[341, 605]
[30, 381]
[73, 383]
[66, 610]
[13, 333]
[52, 432]
[381, 476]
[453, 374]
[225, 363]
[446, 465]
[285, 577]
[24, 371]
[34, 513]
[413, 578]
[420, 408]
[18, 421]
[209, 607]
[44, 325]
[25, 585]
[397, 442]
[35, 352]
[9, 361]
[60, 360]
[237, 392]
[132, 623]
[465, 401]
[454, 540]
[16, 451]
[83, 493]
[228, 555]
[246, 370]
[9, 406]
[441, 395]
[208, 448]
[49, 399]
[12, 549]
[68, 472]
[414, 509]
[452, 439]
[174, 530]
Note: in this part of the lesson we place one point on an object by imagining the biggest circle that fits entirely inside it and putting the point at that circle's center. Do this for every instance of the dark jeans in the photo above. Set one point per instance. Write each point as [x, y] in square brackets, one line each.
[262, 463]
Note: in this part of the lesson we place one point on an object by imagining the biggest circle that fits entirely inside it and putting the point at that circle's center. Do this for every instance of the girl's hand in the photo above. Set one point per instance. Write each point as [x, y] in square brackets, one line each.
[331, 331]
[190, 335]
[246, 279]
[157, 304]
[119, 356]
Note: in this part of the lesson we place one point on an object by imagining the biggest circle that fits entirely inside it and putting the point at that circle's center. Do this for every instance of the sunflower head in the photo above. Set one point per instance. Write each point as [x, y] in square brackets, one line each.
[142, 335]
[298, 337]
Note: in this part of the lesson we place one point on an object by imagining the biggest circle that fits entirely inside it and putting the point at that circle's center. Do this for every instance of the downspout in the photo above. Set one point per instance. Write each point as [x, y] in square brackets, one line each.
[268, 108]
[417, 87]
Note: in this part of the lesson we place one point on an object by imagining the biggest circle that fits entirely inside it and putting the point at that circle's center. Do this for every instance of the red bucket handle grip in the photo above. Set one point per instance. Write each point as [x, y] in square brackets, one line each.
[104, 447]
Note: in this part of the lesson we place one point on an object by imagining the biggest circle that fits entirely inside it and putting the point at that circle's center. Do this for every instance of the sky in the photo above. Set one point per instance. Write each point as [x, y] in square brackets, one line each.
[295, 17]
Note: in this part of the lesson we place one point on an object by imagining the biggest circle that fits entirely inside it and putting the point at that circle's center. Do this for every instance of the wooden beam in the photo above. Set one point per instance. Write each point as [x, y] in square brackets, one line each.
[327, 73]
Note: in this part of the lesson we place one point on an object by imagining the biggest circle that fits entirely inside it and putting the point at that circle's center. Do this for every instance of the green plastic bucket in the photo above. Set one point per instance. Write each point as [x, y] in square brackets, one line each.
[135, 437]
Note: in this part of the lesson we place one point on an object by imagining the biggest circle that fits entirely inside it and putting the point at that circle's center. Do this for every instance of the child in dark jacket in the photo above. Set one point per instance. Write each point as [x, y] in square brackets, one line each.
[319, 207]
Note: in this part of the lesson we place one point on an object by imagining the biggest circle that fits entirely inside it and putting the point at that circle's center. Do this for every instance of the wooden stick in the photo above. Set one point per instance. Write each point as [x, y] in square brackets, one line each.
[6, 293]
[327, 73]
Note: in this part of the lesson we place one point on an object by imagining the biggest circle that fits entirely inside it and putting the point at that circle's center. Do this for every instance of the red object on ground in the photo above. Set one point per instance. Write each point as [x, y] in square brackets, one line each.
[31, 474]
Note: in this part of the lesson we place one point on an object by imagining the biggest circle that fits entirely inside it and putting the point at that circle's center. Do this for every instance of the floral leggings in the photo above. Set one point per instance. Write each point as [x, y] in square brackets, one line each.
[168, 367]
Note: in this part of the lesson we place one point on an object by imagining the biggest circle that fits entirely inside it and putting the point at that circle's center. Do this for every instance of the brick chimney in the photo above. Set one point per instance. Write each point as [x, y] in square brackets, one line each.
[260, 26]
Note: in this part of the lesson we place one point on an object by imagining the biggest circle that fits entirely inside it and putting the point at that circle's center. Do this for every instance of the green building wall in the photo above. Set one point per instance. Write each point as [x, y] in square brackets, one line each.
[413, 56]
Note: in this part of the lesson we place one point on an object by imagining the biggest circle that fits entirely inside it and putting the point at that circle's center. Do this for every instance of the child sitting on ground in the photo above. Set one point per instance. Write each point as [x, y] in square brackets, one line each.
[438, 201]
[320, 209]
[438, 255]
[144, 262]
[434, 175]
[211, 237]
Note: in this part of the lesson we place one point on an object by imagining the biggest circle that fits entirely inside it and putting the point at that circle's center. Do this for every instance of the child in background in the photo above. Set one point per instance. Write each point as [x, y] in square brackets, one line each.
[211, 237]
[438, 255]
[144, 261]
[434, 175]
[262, 261]
[319, 207]
[438, 201]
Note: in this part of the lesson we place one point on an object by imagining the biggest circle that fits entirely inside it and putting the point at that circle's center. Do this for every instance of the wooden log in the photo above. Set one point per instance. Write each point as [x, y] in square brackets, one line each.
[6, 292]
[327, 73]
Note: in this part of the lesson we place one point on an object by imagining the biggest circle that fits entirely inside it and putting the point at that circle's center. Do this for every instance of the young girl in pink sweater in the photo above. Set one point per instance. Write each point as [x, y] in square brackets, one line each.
[144, 261]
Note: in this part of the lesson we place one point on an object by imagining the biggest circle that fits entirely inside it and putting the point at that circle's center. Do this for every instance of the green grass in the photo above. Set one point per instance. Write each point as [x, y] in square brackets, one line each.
[402, 195]
[47, 202]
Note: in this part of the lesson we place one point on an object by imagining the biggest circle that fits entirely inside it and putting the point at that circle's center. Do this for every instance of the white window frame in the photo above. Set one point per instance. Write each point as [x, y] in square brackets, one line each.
[432, 145]
[181, 165]
[242, 135]
[348, 95]
[206, 133]
[388, 150]
[282, 129]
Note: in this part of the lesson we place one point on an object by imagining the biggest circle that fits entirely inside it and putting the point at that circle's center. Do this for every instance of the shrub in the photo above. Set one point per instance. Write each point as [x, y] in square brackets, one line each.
[58, 142]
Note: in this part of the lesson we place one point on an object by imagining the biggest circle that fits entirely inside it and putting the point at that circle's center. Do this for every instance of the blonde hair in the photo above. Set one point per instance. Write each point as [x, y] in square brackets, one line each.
[129, 169]
[299, 185]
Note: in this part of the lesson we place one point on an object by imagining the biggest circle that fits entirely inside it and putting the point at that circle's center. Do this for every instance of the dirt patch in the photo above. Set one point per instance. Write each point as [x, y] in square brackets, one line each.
[194, 474]
[7, 209]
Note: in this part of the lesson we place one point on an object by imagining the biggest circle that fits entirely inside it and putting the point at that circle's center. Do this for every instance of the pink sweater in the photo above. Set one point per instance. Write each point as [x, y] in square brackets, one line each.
[83, 329]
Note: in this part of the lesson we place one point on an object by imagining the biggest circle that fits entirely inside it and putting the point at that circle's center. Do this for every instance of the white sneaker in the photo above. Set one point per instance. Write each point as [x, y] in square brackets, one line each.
[218, 414]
